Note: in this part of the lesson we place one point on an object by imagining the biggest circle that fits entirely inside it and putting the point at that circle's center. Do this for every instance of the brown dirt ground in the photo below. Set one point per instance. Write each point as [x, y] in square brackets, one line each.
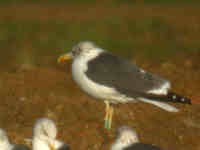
[31, 92]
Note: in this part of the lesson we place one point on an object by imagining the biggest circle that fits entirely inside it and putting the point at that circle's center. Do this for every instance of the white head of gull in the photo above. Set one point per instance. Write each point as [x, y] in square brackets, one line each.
[127, 139]
[44, 136]
[125, 136]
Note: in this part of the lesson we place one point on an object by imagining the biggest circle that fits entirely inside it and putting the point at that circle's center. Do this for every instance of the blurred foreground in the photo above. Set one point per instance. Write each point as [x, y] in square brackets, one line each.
[163, 39]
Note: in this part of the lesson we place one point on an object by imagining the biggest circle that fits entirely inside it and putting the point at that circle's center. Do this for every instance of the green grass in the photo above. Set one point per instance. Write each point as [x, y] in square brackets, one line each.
[104, 1]
[159, 1]
[48, 1]
[34, 41]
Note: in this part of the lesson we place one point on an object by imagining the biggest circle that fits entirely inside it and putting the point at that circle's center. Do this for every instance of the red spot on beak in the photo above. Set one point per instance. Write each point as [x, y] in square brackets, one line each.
[62, 60]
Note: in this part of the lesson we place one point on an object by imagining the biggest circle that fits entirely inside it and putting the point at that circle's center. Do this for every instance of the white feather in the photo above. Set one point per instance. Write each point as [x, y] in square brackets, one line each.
[125, 137]
[161, 90]
[162, 105]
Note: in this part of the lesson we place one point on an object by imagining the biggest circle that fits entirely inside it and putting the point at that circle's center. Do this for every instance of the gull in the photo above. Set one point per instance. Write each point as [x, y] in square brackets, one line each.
[113, 79]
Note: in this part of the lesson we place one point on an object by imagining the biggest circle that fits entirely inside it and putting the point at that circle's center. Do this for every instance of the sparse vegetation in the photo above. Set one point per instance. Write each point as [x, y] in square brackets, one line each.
[163, 36]
[153, 36]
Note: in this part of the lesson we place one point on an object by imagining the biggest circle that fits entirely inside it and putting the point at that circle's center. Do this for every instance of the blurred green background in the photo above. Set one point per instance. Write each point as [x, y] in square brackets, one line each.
[104, 1]
[160, 36]
[36, 32]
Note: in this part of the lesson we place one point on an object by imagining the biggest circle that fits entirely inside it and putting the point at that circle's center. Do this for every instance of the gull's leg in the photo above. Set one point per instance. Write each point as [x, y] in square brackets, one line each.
[111, 111]
[106, 119]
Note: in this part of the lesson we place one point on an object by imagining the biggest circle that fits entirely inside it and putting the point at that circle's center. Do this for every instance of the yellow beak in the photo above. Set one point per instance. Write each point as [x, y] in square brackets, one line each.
[51, 147]
[64, 57]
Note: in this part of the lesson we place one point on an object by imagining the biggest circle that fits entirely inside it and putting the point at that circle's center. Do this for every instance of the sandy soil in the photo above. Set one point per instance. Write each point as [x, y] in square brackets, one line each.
[31, 92]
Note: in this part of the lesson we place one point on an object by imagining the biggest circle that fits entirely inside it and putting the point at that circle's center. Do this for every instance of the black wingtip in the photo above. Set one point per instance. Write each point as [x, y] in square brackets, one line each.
[178, 99]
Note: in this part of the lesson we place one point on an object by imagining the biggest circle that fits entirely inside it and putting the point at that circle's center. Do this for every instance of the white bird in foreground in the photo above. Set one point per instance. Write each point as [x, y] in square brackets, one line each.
[116, 80]
[6, 145]
[127, 139]
[44, 136]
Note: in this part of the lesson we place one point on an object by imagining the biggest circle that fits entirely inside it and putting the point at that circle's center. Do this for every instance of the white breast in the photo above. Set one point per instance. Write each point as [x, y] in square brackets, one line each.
[39, 145]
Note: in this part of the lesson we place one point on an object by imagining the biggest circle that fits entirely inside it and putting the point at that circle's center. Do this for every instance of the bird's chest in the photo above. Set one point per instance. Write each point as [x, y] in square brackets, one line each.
[40, 145]
[79, 67]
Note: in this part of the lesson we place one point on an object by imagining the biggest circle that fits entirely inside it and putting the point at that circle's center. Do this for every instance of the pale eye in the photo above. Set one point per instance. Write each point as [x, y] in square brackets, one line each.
[76, 51]
[73, 52]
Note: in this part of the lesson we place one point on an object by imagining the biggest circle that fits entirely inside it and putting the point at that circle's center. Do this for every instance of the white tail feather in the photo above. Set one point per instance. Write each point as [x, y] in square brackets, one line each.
[162, 105]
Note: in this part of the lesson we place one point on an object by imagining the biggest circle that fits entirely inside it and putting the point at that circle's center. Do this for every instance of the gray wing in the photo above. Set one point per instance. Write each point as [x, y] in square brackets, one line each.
[122, 75]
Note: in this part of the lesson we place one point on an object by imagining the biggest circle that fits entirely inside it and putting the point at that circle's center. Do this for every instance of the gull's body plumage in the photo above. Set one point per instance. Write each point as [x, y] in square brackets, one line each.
[94, 89]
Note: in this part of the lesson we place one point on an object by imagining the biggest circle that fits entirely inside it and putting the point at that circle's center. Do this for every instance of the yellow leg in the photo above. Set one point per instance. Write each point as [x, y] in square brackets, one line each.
[111, 111]
[106, 119]
[107, 110]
